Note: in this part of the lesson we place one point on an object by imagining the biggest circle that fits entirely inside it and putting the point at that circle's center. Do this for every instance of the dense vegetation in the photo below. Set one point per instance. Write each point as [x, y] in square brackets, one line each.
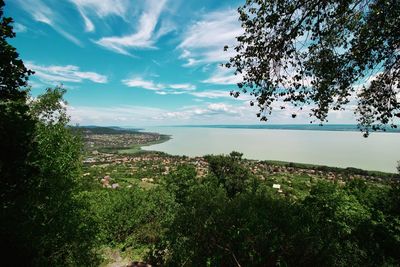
[230, 217]
[40, 216]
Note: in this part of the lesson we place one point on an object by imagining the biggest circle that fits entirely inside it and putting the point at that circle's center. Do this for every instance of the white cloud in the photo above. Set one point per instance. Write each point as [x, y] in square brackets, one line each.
[89, 26]
[139, 82]
[67, 35]
[69, 73]
[212, 94]
[142, 115]
[163, 89]
[115, 115]
[104, 8]
[101, 9]
[220, 107]
[44, 13]
[183, 86]
[204, 40]
[18, 27]
[203, 113]
[145, 35]
[224, 76]
[38, 10]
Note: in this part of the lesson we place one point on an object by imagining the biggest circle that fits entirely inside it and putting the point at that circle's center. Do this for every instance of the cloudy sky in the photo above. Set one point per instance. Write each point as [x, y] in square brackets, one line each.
[138, 63]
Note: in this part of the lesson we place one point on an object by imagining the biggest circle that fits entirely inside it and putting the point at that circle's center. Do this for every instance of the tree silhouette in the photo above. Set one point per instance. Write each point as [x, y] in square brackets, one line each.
[323, 53]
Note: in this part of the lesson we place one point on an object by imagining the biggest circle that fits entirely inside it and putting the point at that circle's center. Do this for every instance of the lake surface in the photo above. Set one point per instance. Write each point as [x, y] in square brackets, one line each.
[380, 151]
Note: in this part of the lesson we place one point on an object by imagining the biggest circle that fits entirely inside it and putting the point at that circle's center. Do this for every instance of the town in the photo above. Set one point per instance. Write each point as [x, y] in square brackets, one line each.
[113, 159]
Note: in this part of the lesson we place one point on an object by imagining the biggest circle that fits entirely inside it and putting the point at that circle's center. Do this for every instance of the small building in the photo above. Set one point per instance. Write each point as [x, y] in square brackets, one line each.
[276, 186]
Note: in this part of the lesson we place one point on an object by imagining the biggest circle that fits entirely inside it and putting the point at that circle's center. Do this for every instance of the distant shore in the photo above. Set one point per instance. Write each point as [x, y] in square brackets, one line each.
[306, 127]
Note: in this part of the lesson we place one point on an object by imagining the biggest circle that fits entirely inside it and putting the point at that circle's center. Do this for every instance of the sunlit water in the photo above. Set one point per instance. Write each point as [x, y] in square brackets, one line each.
[380, 151]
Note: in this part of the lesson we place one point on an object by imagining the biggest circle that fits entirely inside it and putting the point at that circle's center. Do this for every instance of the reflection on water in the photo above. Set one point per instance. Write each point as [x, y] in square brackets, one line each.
[380, 151]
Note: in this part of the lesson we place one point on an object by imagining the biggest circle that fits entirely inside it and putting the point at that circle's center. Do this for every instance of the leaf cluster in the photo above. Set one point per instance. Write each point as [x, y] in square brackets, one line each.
[323, 54]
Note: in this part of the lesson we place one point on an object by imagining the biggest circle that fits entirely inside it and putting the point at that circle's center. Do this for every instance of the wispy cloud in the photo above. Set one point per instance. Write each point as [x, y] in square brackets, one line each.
[162, 89]
[42, 12]
[104, 8]
[193, 113]
[212, 94]
[143, 115]
[67, 35]
[183, 86]
[38, 10]
[145, 35]
[18, 27]
[69, 73]
[204, 40]
[180, 88]
[215, 94]
[224, 76]
[113, 115]
[100, 9]
[208, 113]
[140, 83]
[89, 26]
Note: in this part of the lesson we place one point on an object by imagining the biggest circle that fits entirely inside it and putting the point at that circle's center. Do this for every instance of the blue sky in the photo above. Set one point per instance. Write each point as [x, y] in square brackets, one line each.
[138, 63]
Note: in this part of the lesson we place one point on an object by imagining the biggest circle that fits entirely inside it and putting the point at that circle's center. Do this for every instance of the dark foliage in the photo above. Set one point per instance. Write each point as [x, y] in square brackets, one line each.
[320, 53]
[228, 172]
[335, 225]
[40, 218]
[13, 73]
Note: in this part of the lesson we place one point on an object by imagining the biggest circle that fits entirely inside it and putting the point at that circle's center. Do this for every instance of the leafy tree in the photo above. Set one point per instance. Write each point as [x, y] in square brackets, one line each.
[58, 233]
[192, 235]
[320, 53]
[130, 217]
[229, 172]
[40, 216]
[13, 73]
[335, 218]
[17, 128]
[180, 182]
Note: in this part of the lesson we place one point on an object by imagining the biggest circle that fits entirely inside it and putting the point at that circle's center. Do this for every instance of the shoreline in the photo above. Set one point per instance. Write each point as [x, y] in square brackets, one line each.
[138, 147]
[163, 138]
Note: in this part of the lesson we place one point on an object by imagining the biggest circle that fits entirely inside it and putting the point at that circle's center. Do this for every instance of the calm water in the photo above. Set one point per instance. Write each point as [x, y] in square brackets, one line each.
[379, 152]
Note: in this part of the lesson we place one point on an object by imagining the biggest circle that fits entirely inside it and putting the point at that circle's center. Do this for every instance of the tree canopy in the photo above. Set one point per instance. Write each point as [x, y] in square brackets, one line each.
[328, 54]
[40, 216]
[13, 73]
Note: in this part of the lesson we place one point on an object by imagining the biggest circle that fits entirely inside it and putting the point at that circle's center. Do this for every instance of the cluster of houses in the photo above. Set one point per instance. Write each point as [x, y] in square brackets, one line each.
[164, 164]
[95, 141]
[151, 162]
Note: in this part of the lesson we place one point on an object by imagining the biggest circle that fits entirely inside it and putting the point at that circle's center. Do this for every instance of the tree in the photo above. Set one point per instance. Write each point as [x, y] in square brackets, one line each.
[58, 233]
[40, 216]
[17, 143]
[229, 172]
[13, 73]
[180, 182]
[321, 53]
